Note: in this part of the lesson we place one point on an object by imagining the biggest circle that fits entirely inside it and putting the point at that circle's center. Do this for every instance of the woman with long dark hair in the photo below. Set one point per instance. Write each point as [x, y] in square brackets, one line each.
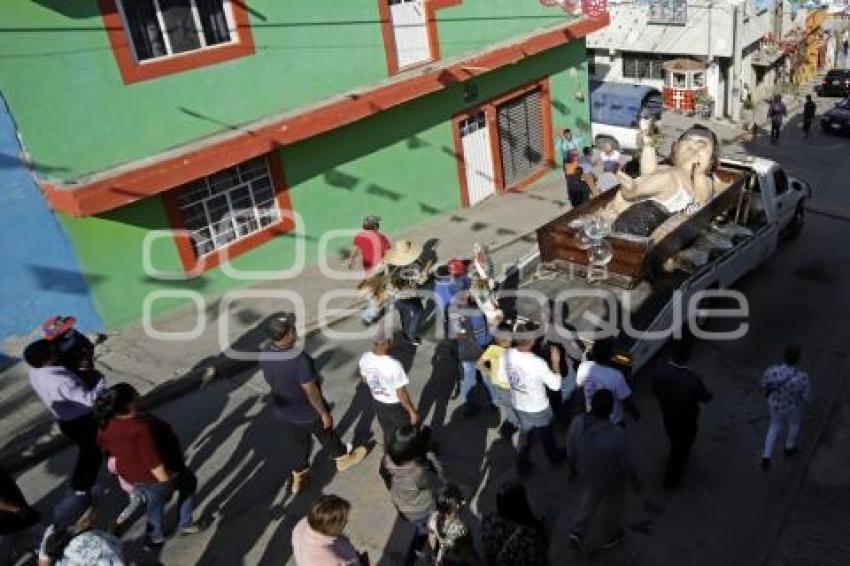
[148, 455]
[448, 536]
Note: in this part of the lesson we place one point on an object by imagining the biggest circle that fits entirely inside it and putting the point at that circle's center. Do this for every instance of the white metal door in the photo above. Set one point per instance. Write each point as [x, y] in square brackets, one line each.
[477, 157]
[410, 31]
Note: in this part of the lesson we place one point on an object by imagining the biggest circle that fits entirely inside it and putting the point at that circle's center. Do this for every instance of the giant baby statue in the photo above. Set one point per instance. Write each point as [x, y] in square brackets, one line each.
[641, 205]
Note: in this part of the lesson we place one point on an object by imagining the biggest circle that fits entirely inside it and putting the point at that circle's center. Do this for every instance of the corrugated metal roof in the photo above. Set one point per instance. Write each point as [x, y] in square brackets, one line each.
[629, 30]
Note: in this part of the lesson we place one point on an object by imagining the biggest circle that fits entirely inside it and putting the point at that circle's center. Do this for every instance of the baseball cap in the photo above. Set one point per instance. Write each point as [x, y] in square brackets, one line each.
[280, 324]
[56, 326]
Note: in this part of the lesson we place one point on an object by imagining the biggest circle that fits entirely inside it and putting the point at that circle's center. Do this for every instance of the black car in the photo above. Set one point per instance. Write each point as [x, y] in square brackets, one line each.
[835, 83]
[837, 120]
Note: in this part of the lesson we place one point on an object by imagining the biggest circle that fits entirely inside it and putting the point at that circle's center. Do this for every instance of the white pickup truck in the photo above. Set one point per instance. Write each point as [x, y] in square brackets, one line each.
[777, 209]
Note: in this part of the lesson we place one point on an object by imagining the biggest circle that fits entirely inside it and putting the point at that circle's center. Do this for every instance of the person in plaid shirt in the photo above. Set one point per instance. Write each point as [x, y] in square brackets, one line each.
[788, 390]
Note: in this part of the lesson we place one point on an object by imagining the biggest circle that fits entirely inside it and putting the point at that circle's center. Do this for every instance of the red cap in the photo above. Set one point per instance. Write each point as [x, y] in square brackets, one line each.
[456, 267]
[56, 326]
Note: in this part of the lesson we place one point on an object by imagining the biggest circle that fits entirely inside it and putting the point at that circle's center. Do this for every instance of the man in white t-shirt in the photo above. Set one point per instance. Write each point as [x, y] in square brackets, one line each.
[593, 375]
[387, 382]
[529, 377]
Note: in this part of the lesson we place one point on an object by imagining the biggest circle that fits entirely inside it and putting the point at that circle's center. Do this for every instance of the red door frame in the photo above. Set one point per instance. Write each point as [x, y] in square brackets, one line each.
[490, 109]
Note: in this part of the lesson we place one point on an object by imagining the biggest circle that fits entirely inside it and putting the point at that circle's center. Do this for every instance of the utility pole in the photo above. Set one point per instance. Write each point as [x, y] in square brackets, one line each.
[737, 49]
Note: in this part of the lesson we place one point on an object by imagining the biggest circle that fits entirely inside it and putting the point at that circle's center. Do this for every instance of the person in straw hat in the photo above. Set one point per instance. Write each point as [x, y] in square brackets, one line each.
[399, 280]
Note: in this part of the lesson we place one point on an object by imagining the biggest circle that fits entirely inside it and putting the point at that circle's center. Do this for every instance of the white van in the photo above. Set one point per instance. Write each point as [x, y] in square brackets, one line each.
[616, 110]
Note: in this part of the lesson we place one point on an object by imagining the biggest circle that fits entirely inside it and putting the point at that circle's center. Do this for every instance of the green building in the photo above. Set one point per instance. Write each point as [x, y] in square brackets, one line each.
[222, 120]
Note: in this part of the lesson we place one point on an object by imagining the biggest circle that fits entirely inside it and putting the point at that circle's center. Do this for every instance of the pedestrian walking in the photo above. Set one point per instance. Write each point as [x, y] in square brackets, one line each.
[609, 159]
[471, 333]
[72, 540]
[405, 272]
[492, 368]
[387, 381]
[529, 377]
[148, 455]
[414, 480]
[298, 401]
[449, 280]
[19, 531]
[578, 191]
[596, 447]
[74, 350]
[449, 539]
[370, 245]
[568, 150]
[69, 400]
[776, 113]
[317, 539]
[513, 535]
[679, 392]
[809, 110]
[596, 373]
[788, 390]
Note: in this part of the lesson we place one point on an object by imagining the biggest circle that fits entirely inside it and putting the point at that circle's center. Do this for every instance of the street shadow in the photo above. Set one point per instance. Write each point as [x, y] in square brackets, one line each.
[438, 390]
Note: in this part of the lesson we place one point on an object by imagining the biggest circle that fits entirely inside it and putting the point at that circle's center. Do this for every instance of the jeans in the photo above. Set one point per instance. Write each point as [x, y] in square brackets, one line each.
[611, 503]
[468, 379]
[682, 431]
[531, 427]
[790, 420]
[420, 539]
[157, 495]
[302, 436]
[502, 398]
[411, 312]
[82, 431]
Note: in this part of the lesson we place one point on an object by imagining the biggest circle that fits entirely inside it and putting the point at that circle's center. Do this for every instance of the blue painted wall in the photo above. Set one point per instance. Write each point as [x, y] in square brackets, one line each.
[39, 275]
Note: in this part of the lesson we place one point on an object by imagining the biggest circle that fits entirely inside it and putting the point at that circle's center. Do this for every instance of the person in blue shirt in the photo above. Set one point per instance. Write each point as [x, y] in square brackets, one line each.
[468, 327]
[568, 149]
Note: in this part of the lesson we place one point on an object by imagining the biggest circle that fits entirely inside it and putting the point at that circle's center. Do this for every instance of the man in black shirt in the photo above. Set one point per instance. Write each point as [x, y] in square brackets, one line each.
[578, 190]
[809, 110]
[679, 392]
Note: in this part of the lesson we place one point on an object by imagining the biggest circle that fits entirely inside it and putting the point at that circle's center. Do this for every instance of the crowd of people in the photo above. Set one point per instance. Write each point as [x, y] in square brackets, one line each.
[532, 378]
[588, 170]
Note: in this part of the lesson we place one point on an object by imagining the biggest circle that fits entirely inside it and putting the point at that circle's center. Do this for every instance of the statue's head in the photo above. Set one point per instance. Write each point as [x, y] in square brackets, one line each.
[697, 150]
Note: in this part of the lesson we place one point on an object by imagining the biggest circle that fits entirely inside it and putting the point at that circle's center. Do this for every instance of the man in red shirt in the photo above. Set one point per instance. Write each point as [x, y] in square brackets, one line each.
[369, 244]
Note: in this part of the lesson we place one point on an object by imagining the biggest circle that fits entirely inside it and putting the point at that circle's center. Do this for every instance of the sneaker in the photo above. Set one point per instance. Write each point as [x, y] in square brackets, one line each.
[351, 459]
[789, 452]
[575, 541]
[299, 480]
[192, 528]
[416, 342]
[612, 543]
[765, 464]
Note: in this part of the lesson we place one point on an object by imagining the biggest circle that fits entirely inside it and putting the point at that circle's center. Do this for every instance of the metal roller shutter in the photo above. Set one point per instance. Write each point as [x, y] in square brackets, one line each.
[521, 137]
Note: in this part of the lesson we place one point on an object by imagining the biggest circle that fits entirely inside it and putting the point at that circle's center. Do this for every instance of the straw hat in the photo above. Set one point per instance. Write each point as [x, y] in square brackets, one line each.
[403, 252]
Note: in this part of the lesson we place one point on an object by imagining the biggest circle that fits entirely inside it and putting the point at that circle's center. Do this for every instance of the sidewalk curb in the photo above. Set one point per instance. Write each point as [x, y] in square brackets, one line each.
[45, 440]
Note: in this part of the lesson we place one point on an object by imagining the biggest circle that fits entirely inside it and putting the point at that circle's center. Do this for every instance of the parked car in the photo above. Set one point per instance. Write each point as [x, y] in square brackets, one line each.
[837, 120]
[616, 110]
[835, 83]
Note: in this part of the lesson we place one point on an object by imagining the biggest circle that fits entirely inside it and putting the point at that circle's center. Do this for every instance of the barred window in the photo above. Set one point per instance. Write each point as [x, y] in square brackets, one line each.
[229, 205]
[643, 66]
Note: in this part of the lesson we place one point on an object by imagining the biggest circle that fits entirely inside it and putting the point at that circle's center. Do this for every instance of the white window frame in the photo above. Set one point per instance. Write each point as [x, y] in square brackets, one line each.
[227, 194]
[231, 26]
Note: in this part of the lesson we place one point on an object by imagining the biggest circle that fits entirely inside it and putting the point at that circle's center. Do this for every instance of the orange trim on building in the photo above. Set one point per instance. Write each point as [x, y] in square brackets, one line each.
[194, 265]
[118, 188]
[490, 109]
[133, 71]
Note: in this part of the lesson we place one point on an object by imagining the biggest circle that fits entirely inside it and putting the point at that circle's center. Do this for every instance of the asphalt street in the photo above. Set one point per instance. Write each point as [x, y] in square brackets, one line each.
[728, 512]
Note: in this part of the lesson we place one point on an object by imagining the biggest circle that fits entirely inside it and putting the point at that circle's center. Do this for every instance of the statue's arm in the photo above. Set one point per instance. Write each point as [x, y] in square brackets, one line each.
[648, 155]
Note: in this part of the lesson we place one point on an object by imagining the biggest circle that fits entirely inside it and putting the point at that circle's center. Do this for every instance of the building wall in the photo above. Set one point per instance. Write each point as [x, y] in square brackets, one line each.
[40, 275]
[399, 164]
[79, 117]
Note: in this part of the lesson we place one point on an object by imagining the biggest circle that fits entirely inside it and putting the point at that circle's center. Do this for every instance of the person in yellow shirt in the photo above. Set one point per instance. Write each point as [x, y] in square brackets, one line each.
[496, 379]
